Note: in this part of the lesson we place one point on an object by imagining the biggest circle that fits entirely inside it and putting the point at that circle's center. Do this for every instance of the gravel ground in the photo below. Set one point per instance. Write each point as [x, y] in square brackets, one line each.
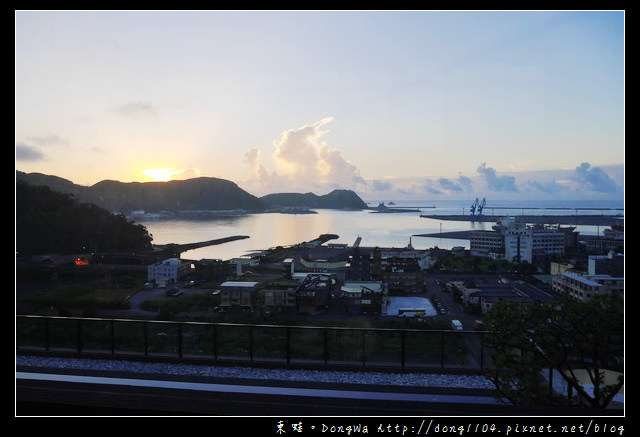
[378, 378]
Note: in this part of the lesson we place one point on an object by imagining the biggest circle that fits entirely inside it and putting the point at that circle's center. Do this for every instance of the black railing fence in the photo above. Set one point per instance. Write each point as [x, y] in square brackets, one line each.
[207, 343]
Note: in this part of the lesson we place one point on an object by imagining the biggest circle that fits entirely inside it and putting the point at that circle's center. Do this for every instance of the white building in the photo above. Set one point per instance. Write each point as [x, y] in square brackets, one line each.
[486, 243]
[517, 242]
[168, 271]
[583, 288]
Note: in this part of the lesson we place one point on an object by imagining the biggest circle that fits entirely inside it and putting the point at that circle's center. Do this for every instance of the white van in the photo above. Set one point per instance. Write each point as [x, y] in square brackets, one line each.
[456, 325]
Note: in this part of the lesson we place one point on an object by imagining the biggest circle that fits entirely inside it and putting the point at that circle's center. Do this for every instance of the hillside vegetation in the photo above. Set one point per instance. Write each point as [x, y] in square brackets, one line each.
[52, 222]
[337, 199]
[198, 194]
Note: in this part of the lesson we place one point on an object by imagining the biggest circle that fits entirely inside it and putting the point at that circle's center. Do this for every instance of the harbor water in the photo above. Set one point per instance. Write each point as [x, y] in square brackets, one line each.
[398, 229]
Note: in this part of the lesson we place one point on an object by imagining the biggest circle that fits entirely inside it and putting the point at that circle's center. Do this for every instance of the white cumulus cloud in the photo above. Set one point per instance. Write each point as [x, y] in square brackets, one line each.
[303, 162]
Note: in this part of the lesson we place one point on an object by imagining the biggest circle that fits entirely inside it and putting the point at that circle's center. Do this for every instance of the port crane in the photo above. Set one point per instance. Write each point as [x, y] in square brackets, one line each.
[478, 206]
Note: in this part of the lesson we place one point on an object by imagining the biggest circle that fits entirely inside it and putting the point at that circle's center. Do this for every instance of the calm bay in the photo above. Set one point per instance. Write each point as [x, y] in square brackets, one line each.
[266, 230]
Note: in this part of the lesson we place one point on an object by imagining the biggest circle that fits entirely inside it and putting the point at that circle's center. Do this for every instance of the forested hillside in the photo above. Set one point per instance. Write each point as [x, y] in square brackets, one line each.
[52, 222]
[197, 194]
[337, 199]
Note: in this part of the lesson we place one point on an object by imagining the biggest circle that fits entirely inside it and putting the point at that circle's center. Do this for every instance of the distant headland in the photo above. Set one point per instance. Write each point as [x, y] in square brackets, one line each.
[197, 194]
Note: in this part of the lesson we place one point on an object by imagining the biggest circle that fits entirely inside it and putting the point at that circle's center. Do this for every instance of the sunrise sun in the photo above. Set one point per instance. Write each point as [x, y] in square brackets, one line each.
[161, 174]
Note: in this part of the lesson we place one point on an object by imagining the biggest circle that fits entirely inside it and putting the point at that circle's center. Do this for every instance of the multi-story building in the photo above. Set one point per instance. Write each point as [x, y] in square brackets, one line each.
[168, 271]
[400, 271]
[237, 295]
[583, 288]
[612, 240]
[610, 264]
[517, 242]
[312, 295]
[363, 297]
[486, 243]
[279, 296]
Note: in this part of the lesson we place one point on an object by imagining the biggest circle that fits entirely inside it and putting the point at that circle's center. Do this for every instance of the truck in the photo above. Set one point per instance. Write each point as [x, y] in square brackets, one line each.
[456, 325]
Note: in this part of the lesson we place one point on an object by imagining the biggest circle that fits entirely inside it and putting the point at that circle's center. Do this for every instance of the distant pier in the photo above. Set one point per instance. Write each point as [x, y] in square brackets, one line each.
[568, 219]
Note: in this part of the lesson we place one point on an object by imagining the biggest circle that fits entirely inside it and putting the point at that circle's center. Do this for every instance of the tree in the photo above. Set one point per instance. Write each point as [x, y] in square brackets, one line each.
[565, 336]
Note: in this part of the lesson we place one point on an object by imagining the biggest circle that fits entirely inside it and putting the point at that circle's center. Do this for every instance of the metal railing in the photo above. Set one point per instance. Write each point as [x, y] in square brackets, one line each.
[279, 345]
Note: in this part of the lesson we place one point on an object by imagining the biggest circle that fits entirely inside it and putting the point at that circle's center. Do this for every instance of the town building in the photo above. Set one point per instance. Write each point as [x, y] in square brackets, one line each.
[583, 287]
[279, 296]
[612, 240]
[609, 264]
[238, 295]
[489, 294]
[400, 271]
[359, 266]
[519, 242]
[486, 243]
[363, 297]
[313, 294]
[244, 264]
[168, 271]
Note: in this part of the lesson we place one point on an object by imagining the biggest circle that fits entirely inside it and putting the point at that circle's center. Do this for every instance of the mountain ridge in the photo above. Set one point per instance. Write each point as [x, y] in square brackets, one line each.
[201, 193]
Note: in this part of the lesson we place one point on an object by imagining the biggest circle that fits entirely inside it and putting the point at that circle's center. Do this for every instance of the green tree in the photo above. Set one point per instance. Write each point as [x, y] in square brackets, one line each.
[565, 336]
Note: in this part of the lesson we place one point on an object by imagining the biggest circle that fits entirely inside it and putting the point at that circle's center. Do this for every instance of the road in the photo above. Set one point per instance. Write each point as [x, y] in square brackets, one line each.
[434, 285]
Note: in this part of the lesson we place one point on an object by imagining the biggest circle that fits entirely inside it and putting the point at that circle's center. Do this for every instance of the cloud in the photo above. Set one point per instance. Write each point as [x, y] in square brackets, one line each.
[25, 152]
[261, 177]
[495, 182]
[594, 178]
[548, 187]
[461, 184]
[381, 185]
[303, 163]
[336, 170]
[136, 109]
[48, 140]
[30, 149]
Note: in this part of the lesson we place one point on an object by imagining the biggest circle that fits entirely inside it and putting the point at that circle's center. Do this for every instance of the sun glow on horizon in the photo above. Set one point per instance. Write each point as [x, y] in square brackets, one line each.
[163, 174]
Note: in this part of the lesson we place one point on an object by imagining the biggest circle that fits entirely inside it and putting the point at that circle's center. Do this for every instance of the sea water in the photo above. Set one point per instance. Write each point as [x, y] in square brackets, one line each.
[397, 230]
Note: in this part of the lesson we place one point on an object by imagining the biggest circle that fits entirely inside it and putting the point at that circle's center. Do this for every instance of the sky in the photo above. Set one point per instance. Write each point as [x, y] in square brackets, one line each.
[390, 104]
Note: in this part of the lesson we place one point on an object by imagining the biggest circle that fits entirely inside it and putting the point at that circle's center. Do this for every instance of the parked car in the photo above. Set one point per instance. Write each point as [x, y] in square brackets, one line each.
[173, 292]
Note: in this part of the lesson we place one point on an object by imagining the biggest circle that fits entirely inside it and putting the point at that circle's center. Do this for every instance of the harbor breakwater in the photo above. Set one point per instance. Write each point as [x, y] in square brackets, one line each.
[568, 219]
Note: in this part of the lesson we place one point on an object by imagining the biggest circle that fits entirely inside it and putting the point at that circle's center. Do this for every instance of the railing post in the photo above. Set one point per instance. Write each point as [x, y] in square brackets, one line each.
[364, 347]
[215, 342]
[326, 347]
[113, 337]
[402, 349]
[146, 340]
[79, 335]
[251, 343]
[180, 341]
[442, 350]
[482, 351]
[47, 335]
[288, 345]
